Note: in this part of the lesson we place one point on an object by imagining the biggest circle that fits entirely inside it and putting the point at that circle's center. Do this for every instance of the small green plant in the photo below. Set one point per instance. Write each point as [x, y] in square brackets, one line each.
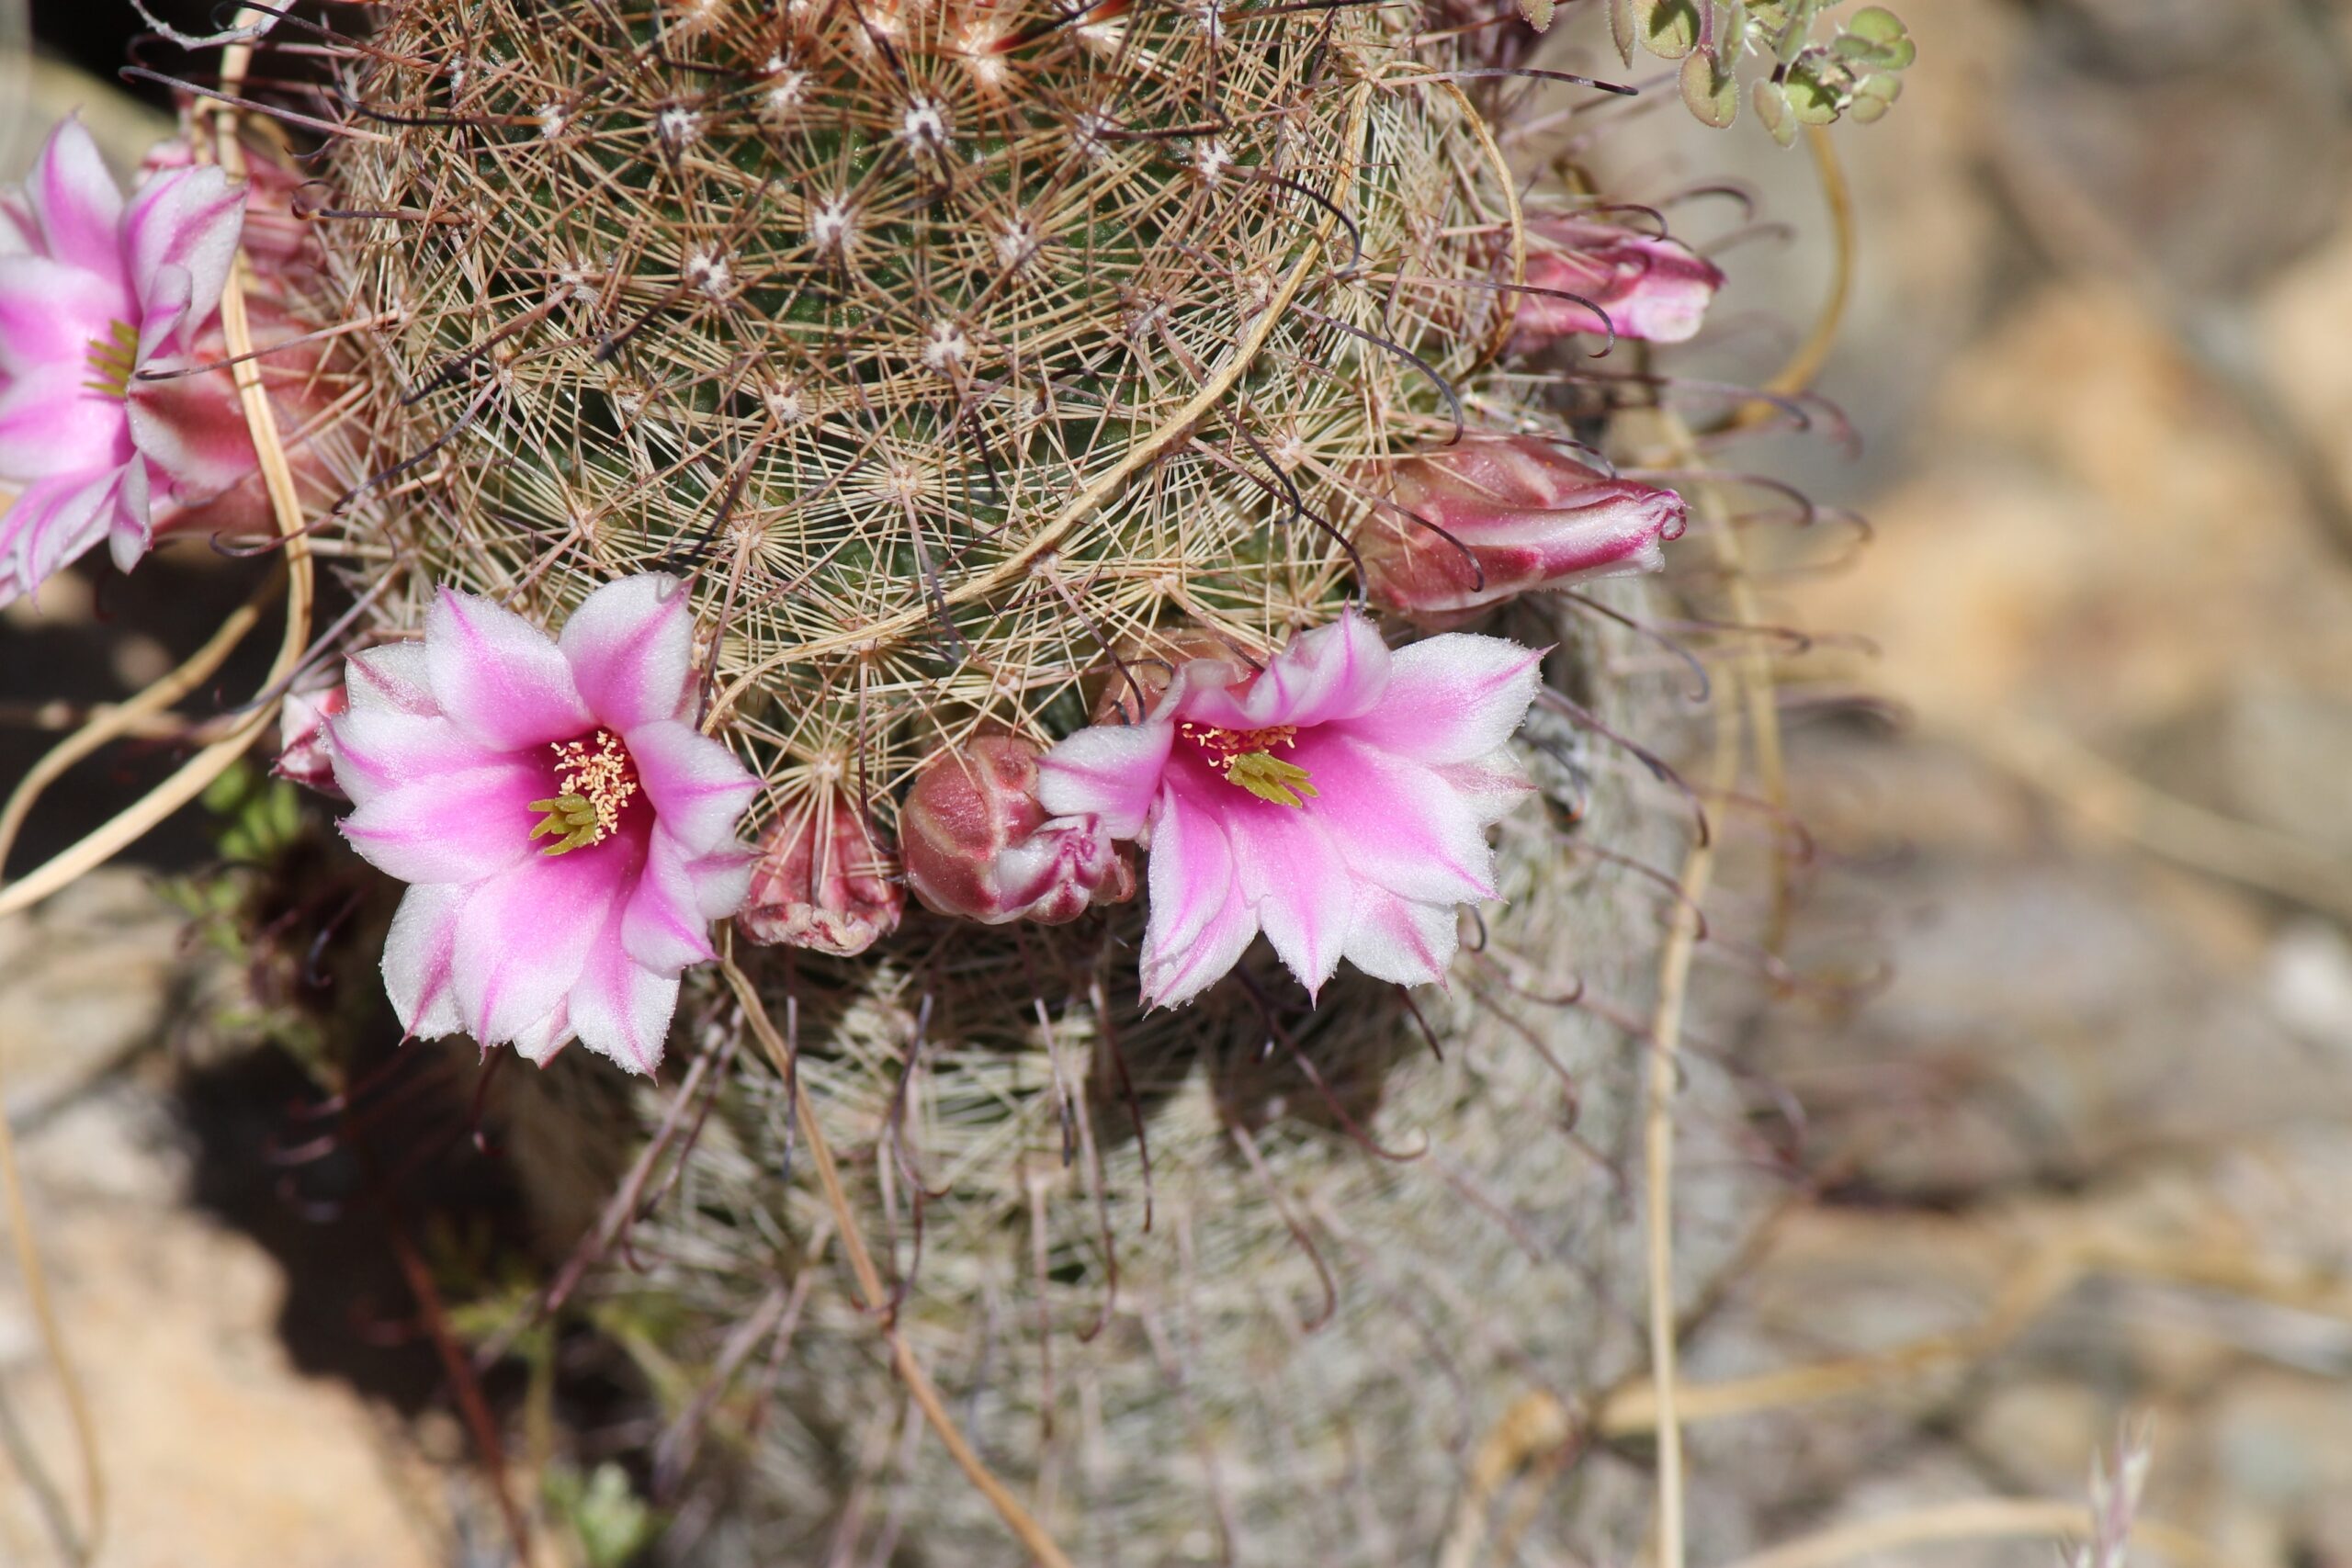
[1854, 70]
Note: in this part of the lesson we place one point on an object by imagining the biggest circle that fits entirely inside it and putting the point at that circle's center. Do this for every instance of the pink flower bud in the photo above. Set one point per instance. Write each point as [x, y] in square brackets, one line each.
[1650, 287]
[1516, 515]
[823, 881]
[304, 756]
[977, 844]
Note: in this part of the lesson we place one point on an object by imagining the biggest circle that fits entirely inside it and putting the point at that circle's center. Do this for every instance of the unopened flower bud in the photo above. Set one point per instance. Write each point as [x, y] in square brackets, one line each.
[304, 756]
[1504, 516]
[823, 881]
[977, 844]
[1650, 287]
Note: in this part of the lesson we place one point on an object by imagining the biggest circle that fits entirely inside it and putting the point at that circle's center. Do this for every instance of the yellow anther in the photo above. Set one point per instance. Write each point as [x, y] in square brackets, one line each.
[596, 784]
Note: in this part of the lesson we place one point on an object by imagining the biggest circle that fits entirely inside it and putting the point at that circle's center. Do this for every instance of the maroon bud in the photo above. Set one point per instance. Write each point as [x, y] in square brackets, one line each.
[1650, 287]
[823, 881]
[1503, 516]
[979, 845]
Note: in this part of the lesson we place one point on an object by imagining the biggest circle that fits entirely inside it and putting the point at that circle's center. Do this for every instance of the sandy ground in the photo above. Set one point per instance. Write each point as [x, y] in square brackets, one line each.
[2091, 1129]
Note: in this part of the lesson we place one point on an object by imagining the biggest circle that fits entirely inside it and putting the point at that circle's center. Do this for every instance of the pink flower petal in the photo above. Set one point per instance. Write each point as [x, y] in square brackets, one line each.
[1396, 939]
[1110, 771]
[418, 952]
[19, 233]
[51, 422]
[662, 925]
[499, 676]
[378, 749]
[1400, 825]
[392, 677]
[166, 318]
[1452, 699]
[442, 827]
[696, 784]
[537, 1042]
[76, 203]
[193, 429]
[188, 219]
[1294, 876]
[630, 645]
[525, 935]
[1200, 924]
[1491, 789]
[51, 313]
[721, 881]
[130, 530]
[1334, 672]
[621, 1009]
[52, 522]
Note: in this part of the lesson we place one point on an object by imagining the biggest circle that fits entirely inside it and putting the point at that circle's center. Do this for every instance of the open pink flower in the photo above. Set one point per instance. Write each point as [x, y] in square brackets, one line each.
[1651, 288]
[568, 832]
[1337, 800]
[93, 291]
[1518, 514]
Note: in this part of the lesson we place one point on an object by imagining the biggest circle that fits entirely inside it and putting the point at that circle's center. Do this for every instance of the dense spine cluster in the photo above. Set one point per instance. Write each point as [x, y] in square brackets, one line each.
[958, 352]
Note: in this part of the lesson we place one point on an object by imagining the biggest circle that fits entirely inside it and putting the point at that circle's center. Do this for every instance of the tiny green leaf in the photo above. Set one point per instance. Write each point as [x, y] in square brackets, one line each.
[1538, 12]
[1713, 94]
[1621, 28]
[1669, 28]
[1874, 95]
[1772, 108]
[1876, 23]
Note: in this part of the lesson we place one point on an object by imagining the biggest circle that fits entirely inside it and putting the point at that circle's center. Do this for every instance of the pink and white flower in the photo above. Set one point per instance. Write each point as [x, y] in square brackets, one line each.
[1337, 800]
[1650, 287]
[92, 292]
[568, 832]
[1517, 515]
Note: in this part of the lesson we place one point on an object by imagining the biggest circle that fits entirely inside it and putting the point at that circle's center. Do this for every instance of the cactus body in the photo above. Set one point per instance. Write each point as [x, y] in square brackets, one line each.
[968, 357]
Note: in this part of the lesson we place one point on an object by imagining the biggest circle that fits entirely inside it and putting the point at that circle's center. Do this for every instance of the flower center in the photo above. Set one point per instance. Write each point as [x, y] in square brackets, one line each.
[1246, 758]
[596, 778]
[112, 358]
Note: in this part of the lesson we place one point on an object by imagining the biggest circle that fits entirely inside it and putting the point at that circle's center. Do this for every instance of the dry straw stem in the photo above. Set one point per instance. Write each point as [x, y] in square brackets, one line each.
[183, 787]
[1798, 374]
[132, 717]
[1017, 1519]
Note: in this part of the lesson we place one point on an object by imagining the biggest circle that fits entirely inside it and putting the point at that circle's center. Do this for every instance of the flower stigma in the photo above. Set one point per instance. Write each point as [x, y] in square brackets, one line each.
[596, 784]
[1246, 758]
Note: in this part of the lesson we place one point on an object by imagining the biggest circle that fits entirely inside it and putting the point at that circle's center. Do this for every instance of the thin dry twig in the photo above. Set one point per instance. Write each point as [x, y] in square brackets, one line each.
[131, 716]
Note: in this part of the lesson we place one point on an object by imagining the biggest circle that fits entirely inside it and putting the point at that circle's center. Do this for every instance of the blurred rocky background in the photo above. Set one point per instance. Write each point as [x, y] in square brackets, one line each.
[2081, 1156]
